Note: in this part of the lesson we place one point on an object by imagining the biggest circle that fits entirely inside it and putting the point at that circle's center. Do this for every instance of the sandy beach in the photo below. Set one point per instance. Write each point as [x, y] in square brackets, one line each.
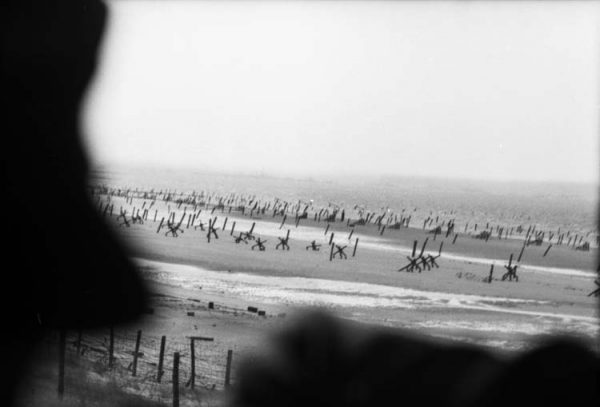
[238, 296]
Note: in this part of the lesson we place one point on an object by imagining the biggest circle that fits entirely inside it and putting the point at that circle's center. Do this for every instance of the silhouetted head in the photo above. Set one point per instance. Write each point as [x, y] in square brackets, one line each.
[65, 266]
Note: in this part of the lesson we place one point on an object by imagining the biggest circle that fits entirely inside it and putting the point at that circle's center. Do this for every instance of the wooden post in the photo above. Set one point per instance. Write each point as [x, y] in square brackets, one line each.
[491, 272]
[326, 230]
[331, 253]
[228, 368]
[355, 246]
[520, 254]
[135, 354]
[62, 346]
[455, 237]
[225, 223]
[232, 228]
[161, 358]
[331, 238]
[547, 250]
[210, 222]
[283, 221]
[176, 379]
[193, 363]
[440, 251]
[111, 348]
[414, 250]
[424, 245]
[382, 230]
[351, 233]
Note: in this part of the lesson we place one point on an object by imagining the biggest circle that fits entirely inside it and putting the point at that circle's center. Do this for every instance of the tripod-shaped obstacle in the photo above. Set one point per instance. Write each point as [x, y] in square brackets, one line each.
[200, 225]
[283, 242]
[313, 246]
[123, 215]
[431, 260]
[414, 263]
[511, 270]
[260, 244]
[241, 238]
[211, 229]
[248, 235]
[174, 228]
[136, 218]
[340, 251]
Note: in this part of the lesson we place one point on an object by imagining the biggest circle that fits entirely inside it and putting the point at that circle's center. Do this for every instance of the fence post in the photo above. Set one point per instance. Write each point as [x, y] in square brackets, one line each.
[193, 363]
[135, 354]
[176, 379]
[228, 369]
[355, 246]
[62, 345]
[161, 358]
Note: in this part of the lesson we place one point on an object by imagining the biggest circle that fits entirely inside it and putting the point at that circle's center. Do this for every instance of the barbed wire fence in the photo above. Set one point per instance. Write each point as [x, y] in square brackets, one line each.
[162, 369]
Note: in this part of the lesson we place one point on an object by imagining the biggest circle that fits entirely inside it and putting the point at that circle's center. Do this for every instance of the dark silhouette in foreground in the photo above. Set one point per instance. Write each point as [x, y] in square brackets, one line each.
[63, 268]
[323, 361]
[67, 269]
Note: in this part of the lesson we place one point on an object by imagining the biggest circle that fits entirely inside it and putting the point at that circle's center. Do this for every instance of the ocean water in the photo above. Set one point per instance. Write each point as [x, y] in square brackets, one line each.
[549, 206]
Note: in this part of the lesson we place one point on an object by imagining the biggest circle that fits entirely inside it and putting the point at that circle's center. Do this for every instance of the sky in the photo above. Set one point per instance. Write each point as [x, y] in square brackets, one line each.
[466, 89]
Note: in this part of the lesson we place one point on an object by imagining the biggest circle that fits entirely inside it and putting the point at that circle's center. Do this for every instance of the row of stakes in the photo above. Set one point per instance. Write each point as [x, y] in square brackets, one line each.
[416, 263]
[424, 261]
[282, 207]
[136, 353]
[175, 228]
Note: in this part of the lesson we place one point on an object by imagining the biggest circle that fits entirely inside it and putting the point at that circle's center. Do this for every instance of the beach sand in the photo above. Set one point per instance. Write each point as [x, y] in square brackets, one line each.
[453, 302]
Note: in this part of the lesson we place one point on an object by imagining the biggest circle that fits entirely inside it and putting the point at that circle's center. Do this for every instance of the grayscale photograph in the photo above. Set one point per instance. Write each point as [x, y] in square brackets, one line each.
[301, 203]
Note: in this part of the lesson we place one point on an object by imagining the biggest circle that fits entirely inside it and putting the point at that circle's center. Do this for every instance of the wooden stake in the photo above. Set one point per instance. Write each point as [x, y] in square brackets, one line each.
[135, 354]
[161, 358]
[176, 379]
[228, 368]
[520, 254]
[193, 364]
[355, 246]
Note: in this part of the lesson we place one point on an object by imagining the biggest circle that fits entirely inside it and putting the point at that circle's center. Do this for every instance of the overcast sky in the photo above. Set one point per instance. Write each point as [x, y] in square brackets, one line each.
[455, 89]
